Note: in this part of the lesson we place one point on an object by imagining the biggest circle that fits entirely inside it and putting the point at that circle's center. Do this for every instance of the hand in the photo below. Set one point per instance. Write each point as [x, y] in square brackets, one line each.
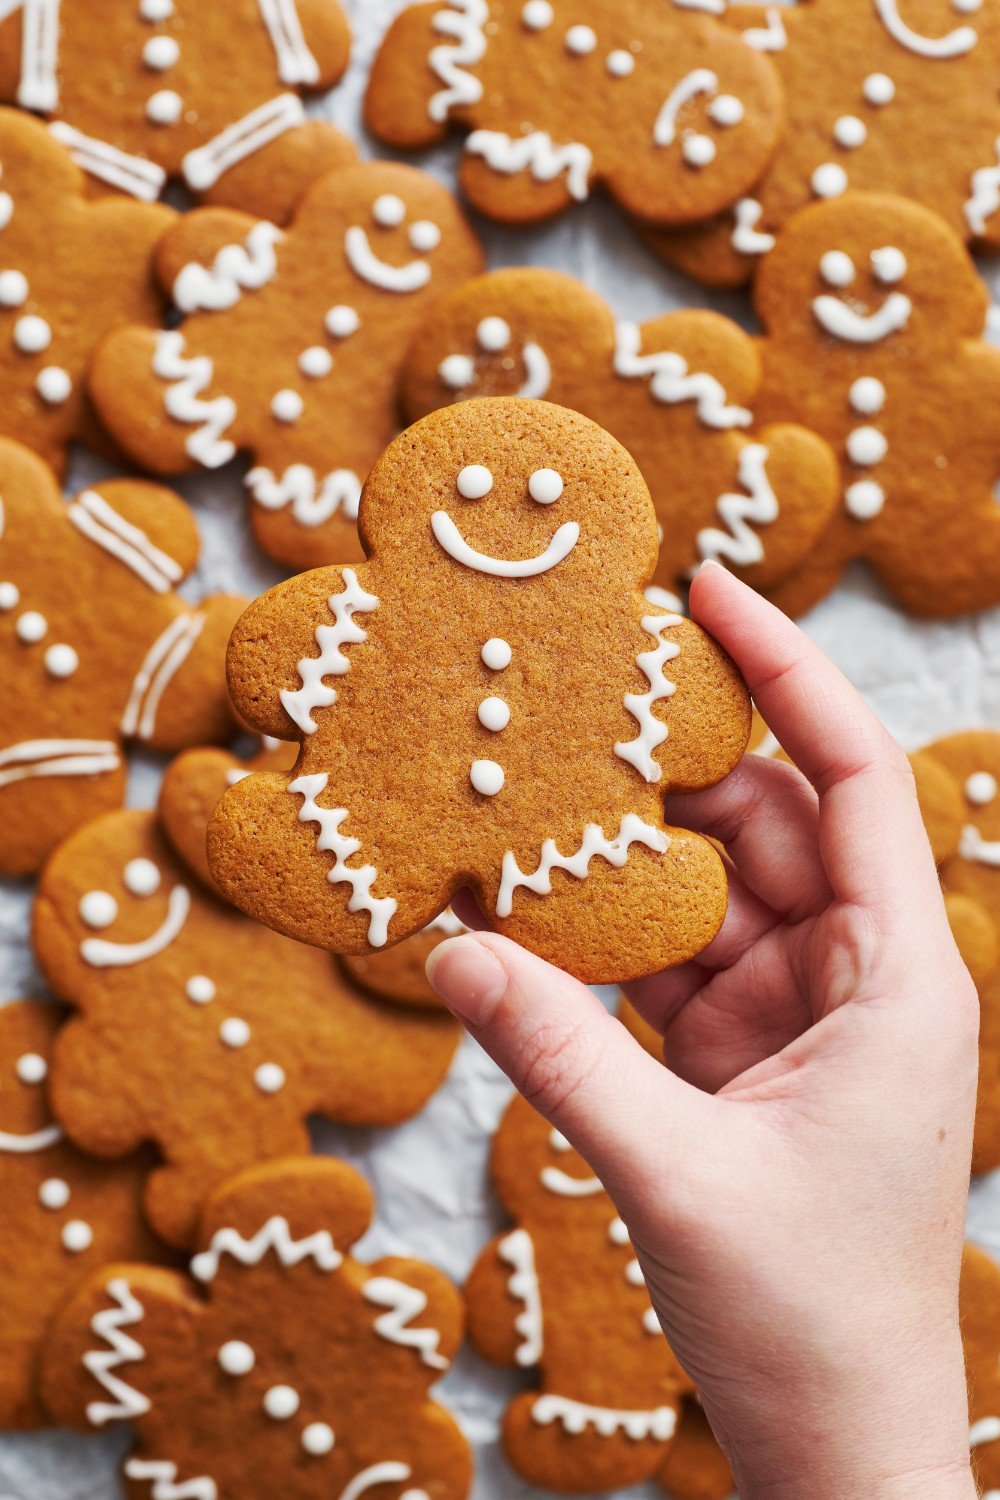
[795, 1183]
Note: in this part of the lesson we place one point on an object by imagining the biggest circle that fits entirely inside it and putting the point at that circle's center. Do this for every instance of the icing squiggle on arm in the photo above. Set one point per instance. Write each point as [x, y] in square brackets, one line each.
[188, 379]
[595, 843]
[518, 1252]
[381, 910]
[465, 22]
[163, 661]
[163, 1477]
[537, 154]
[758, 507]
[671, 381]
[34, 758]
[302, 703]
[235, 270]
[109, 1324]
[274, 1235]
[404, 1303]
[652, 732]
[296, 64]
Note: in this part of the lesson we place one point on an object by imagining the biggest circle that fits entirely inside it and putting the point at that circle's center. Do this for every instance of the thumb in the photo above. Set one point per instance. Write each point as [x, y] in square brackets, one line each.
[619, 1107]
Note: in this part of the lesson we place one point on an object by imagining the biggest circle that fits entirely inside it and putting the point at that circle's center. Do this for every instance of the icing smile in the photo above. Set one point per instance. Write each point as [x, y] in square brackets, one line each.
[103, 954]
[366, 264]
[41, 1140]
[557, 1181]
[450, 538]
[974, 847]
[835, 317]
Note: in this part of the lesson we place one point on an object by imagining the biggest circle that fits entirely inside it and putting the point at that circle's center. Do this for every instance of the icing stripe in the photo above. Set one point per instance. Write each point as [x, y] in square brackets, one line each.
[311, 500]
[379, 1474]
[274, 1235]
[652, 731]
[759, 506]
[517, 1251]
[100, 953]
[404, 1303]
[25, 1145]
[538, 154]
[577, 1416]
[32, 758]
[188, 378]
[163, 661]
[39, 86]
[91, 514]
[203, 167]
[132, 174]
[772, 36]
[615, 850]
[465, 21]
[109, 1324]
[671, 381]
[301, 704]
[564, 1186]
[296, 64]
[163, 1479]
[235, 270]
[984, 200]
[331, 841]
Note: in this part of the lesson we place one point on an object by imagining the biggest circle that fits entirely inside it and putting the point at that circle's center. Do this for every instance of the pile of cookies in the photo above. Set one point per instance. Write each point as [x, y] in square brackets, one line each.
[484, 492]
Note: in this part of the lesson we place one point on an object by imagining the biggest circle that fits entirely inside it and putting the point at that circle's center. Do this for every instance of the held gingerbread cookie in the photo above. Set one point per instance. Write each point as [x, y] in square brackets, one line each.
[144, 90]
[63, 1213]
[70, 271]
[96, 647]
[271, 1371]
[672, 113]
[291, 348]
[562, 1294]
[677, 392]
[202, 1031]
[873, 314]
[893, 96]
[508, 714]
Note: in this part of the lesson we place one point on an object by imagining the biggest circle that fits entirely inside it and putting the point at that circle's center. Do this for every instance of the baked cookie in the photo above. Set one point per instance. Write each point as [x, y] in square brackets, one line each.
[677, 392]
[979, 1301]
[674, 115]
[63, 1212]
[80, 680]
[873, 313]
[696, 1467]
[290, 348]
[272, 1369]
[881, 96]
[144, 90]
[509, 543]
[562, 1294]
[251, 1034]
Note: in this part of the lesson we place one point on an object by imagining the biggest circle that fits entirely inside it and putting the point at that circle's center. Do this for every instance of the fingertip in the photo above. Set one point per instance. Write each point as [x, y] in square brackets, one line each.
[468, 977]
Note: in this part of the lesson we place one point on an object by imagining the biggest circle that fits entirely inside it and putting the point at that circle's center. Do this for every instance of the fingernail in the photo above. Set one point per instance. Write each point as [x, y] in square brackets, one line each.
[709, 562]
[470, 979]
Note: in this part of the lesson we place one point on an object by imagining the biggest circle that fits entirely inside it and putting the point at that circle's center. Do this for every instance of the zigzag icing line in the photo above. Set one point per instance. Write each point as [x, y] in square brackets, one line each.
[984, 199]
[595, 843]
[235, 270]
[163, 1478]
[465, 21]
[576, 1416]
[188, 379]
[381, 910]
[671, 381]
[274, 1235]
[741, 545]
[538, 154]
[403, 1304]
[639, 752]
[109, 1324]
[312, 500]
[302, 703]
[517, 1251]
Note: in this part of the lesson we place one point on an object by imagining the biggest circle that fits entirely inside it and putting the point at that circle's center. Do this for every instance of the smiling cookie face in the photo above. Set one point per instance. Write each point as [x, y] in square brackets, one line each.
[542, 1180]
[972, 760]
[26, 1122]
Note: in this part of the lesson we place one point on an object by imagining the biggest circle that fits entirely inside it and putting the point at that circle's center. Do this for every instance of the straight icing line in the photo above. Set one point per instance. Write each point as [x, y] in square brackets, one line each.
[39, 85]
[296, 64]
[91, 514]
[162, 662]
[131, 174]
[203, 167]
[43, 758]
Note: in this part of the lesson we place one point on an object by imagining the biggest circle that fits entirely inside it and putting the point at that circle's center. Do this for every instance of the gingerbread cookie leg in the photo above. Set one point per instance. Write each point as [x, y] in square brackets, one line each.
[696, 1467]
[503, 1301]
[587, 1447]
[272, 182]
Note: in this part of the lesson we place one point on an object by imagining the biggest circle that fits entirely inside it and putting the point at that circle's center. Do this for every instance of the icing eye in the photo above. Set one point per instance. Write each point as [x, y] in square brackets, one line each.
[98, 909]
[388, 211]
[837, 268]
[141, 877]
[31, 1068]
[981, 788]
[424, 235]
[537, 15]
[474, 482]
[492, 335]
[457, 371]
[888, 265]
[580, 40]
[726, 110]
[545, 486]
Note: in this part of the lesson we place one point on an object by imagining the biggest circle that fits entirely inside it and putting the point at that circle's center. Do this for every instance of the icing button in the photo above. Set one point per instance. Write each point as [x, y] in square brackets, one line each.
[494, 714]
[77, 1236]
[496, 654]
[487, 777]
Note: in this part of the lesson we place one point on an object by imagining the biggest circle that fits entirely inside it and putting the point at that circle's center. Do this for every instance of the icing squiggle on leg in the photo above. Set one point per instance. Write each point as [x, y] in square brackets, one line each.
[538, 154]
[163, 1477]
[671, 382]
[381, 910]
[109, 1324]
[576, 1416]
[594, 843]
[311, 500]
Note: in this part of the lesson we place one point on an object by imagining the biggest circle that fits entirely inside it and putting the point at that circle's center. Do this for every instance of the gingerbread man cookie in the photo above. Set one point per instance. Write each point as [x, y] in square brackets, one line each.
[509, 543]
[873, 314]
[144, 90]
[96, 647]
[893, 96]
[290, 349]
[296, 1349]
[668, 110]
[562, 1294]
[696, 1467]
[63, 1212]
[978, 1302]
[677, 392]
[202, 1031]
[70, 271]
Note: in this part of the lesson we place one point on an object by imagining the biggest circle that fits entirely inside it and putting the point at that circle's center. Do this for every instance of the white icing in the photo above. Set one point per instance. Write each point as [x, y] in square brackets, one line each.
[954, 44]
[843, 322]
[42, 758]
[10, 595]
[698, 81]
[517, 1251]
[576, 1416]
[301, 703]
[342, 321]
[554, 1180]
[317, 1439]
[866, 446]
[109, 1324]
[270, 1078]
[537, 154]
[141, 877]
[878, 89]
[39, 84]
[772, 36]
[54, 1194]
[493, 714]
[981, 851]
[200, 990]
[92, 515]
[14, 289]
[537, 15]
[281, 1402]
[331, 841]
[165, 107]
[77, 1237]
[161, 53]
[31, 1068]
[545, 486]
[98, 909]
[236, 269]
[888, 265]
[312, 500]
[726, 110]
[32, 627]
[837, 268]
[671, 381]
[204, 166]
[61, 661]
[274, 1236]
[580, 40]
[746, 237]
[698, 150]
[287, 406]
[189, 378]
[234, 1032]
[448, 923]
[54, 385]
[487, 777]
[135, 175]
[864, 500]
[465, 22]
[381, 1474]
[652, 731]
[236, 1358]
[316, 362]
[866, 395]
[496, 654]
[389, 211]
[474, 482]
[619, 63]
[740, 544]
[296, 64]
[449, 537]
[25, 1145]
[981, 788]
[366, 264]
[493, 335]
[403, 1304]
[594, 844]
[101, 953]
[986, 1430]
[829, 180]
[984, 199]
[162, 662]
[32, 335]
[424, 236]
[163, 1476]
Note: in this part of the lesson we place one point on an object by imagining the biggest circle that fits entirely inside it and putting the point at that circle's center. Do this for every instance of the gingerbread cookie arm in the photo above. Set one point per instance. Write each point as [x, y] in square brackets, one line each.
[696, 1467]
[975, 935]
[941, 804]
[418, 1312]
[718, 355]
[165, 551]
[193, 783]
[311, 1194]
[188, 676]
[271, 183]
[786, 494]
[210, 241]
[504, 1302]
[88, 1091]
[326, 50]
[707, 688]
[410, 97]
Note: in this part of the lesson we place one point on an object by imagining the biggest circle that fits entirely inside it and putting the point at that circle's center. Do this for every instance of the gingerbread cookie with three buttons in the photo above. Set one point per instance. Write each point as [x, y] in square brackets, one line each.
[509, 542]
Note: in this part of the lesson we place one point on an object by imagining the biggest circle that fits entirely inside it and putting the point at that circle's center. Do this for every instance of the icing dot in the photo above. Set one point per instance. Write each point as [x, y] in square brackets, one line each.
[54, 1194]
[474, 482]
[281, 1402]
[867, 395]
[200, 989]
[234, 1032]
[6, 209]
[580, 40]
[342, 321]
[837, 268]
[32, 1068]
[424, 235]
[316, 362]
[558, 1141]
[537, 14]
[32, 334]
[318, 1439]
[61, 661]
[77, 1236]
[269, 1078]
[10, 595]
[13, 289]
[633, 1274]
[457, 371]
[486, 777]
[651, 1322]
[888, 265]
[967, 7]
[164, 107]
[864, 500]
[98, 909]
[31, 627]
[617, 1232]
[545, 486]
[142, 877]
[389, 211]
[620, 63]
[829, 180]
[160, 53]
[866, 446]
[981, 788]
[878, 89]
[492, 335]
[494, 714]
[698, 150]
[156, 10]
[236, 1358]
[726, 110]
[54, 385]
[287, 406]
[850, 132]
[496, 654]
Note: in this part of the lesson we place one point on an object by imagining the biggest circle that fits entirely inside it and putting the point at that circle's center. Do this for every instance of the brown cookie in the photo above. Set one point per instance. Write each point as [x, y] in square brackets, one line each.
[96, 647]
[290, 349]
[979, 1301]
[696, 1467]
[562, 1294]
[509, 717]
[665, 108]
[63, 1212]
[144, 90]
[202, 1031]
[271, 1370]
[677, 392]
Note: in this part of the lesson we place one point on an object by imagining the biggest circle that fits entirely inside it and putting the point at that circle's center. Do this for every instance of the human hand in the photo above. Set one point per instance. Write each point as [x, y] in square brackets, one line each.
[794, 1185]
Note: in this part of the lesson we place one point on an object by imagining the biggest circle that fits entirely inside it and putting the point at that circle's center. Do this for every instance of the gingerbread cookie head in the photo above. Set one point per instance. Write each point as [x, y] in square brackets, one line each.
[671, 112]
[240, 1014]
[64, 1213]
[145, 90]
[490, 527]
[291, 348]
[562, 1294]
[971, 760]
[273, 1293]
